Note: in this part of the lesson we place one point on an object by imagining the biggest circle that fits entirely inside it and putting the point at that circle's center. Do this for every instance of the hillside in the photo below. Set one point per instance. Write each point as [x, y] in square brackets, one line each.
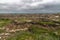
[30, 27]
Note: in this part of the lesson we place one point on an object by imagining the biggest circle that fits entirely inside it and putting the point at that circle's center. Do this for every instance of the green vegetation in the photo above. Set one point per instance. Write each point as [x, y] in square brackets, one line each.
[22, 19]
[35, 33]
[31, 28]
[3, 22]
[1, 31]
[47, 23]
[38, 30]
[22, 35]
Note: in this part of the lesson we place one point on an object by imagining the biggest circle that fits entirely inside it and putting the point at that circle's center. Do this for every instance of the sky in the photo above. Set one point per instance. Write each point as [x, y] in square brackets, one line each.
[29, 6]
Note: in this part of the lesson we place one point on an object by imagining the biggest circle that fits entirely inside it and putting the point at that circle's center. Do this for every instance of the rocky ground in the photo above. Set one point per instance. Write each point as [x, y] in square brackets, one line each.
[29, 24]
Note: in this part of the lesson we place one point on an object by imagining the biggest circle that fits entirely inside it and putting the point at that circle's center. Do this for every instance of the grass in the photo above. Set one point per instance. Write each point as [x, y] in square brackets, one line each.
[38, 34]
[38, 30]
[3, 22]
[1, 31]
[23, 19]
[48, 23]
[34, 32]
[22, 35]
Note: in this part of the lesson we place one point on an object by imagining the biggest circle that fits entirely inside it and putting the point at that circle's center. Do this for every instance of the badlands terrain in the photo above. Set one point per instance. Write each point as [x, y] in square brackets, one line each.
[30, 26]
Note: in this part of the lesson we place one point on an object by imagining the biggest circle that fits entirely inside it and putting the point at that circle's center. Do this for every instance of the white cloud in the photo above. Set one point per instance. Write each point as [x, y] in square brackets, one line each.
[26, 4]
[10, 1]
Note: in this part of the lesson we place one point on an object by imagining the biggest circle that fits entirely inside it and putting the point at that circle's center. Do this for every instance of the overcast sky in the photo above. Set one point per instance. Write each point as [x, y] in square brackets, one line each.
[29, 6]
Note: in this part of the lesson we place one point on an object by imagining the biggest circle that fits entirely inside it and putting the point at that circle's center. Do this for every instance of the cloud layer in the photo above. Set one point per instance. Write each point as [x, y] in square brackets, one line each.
[29, 5]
